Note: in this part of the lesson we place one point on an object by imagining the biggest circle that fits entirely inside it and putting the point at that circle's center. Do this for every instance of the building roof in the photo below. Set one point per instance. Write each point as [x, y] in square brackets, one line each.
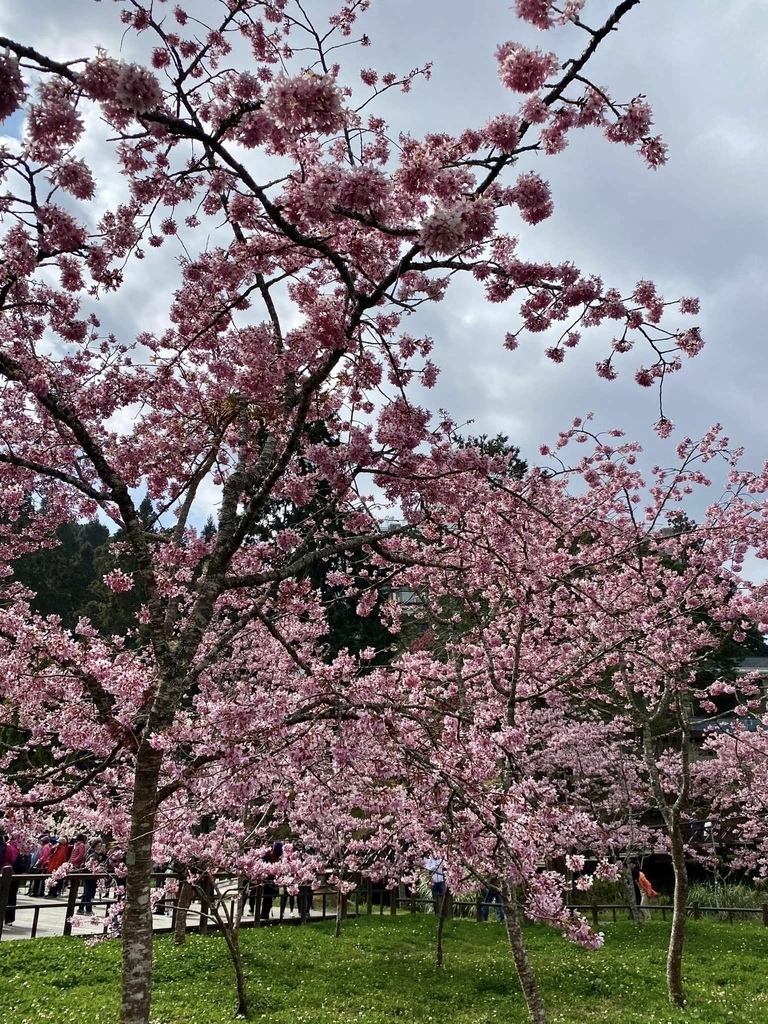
[752, 665]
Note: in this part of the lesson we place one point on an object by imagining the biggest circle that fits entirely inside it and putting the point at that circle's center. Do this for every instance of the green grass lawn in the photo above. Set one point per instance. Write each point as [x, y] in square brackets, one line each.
[382, 970]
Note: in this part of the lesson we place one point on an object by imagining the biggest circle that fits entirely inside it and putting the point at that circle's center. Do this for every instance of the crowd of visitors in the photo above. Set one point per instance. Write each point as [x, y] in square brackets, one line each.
[52, 861]
[55, 858]
[302, 902]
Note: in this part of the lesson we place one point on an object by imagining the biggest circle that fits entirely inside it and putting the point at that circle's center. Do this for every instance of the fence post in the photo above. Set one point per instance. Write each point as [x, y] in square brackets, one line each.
[764, 908]
[595, 916]
[74, 885]
[393, 901]
[413, 901]
[369, 897]
[175, 908]
[5, 887]
[204, 905]
[697, 911]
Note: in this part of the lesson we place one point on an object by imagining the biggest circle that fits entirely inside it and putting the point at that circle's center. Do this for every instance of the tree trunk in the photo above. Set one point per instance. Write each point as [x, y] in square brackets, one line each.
[679, 917]
[671, 811]
[523, 965]
[339, 914]
[442, 917]
[231, 938]
[183, 902]
[629, 887]
[137, 915]
[229, 925]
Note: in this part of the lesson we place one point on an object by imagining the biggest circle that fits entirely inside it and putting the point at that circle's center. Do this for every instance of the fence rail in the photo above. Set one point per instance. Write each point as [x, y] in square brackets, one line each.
[694, 910]
[362, 901]
[323, 900]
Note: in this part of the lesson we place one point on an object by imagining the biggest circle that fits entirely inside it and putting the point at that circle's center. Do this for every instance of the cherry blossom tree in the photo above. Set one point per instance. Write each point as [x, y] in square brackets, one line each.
[730, 780]
[567, 626]
[303, 238]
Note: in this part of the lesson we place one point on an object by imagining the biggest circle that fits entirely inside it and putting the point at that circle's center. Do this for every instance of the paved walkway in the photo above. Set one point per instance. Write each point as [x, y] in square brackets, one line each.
[48, 916]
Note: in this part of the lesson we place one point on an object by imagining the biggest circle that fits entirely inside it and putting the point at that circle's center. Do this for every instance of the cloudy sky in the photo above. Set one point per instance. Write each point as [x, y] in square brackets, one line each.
[696, 227]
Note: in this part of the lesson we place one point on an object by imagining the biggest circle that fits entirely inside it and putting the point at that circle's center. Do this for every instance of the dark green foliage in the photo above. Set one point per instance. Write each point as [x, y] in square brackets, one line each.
[349, 631]
[62, 577]
[68, 580]
[317, 522]
[496, 447]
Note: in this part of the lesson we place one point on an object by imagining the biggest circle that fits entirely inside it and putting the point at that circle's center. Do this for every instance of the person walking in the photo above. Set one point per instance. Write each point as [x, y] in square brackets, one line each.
[286, 899]
[644, 891]
[269, 888]
[648, 894]
[493, 895]
[79, 850]
[94, 862]
[59, 858]
[436, 868]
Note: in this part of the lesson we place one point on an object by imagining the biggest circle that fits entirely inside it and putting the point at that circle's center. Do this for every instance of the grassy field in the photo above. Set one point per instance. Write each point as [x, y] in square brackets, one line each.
[382, 970]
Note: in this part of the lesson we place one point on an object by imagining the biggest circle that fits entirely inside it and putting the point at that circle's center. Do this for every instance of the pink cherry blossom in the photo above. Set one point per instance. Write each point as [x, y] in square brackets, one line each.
[309, 102]
[11, 86]
[534, 198]
[272, 381]
[524, 70]
[137, 89]
[443, 231]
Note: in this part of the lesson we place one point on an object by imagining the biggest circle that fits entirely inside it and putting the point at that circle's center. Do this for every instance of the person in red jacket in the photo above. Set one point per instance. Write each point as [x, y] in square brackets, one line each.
[59, 857]
[77, 856]
[648, 893]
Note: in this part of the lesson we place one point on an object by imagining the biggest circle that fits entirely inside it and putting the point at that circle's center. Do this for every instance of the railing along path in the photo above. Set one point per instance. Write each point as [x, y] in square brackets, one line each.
[46, 916]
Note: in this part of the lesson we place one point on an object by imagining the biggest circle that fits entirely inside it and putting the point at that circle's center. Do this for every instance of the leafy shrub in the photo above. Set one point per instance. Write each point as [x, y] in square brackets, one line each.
[735, 896]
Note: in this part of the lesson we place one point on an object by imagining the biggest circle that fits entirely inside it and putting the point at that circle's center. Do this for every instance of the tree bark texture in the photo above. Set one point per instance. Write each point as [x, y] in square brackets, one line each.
[671, 811]
[340, 915]
[441, 919]
[137, 915]
[634, 910]
[229, 926]
[183, 903]
[523, 966]
[679, 917]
